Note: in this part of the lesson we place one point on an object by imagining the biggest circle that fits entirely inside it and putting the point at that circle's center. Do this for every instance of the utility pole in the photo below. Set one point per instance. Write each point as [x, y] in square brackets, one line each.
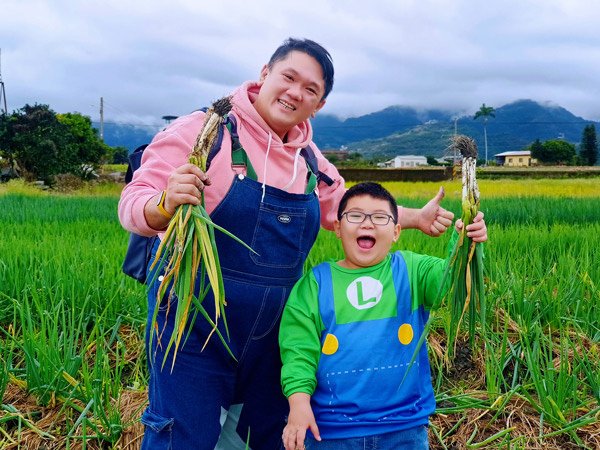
[102, 119]
[2, 91]
[455, 134]
[485, 138]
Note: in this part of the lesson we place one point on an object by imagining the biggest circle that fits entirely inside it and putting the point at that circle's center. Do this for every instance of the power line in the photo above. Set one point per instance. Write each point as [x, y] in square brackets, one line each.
[124, 112]
[102, 119]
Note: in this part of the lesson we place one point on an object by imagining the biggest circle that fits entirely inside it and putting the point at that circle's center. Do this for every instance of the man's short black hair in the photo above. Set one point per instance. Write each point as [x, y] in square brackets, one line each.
[374, 190]
[310, 48]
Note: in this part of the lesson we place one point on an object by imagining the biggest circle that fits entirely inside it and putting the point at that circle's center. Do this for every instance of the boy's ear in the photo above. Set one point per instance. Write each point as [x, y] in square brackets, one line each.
[397, 230]
[336, 227]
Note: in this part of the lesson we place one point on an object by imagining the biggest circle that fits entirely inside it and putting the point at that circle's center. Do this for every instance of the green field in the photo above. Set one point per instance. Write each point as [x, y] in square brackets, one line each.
[72, 364]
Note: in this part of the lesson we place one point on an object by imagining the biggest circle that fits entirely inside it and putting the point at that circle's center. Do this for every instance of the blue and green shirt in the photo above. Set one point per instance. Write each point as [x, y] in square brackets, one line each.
[347, 338]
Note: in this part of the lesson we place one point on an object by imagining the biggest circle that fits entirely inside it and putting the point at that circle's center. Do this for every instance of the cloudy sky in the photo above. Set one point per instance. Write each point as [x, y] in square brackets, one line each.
[153, 58]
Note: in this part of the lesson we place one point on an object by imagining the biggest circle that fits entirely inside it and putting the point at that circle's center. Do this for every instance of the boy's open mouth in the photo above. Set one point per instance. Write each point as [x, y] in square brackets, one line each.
[365, 242]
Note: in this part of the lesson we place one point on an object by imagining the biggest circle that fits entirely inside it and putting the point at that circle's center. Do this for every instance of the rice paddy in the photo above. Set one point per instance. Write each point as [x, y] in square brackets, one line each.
[72, 363]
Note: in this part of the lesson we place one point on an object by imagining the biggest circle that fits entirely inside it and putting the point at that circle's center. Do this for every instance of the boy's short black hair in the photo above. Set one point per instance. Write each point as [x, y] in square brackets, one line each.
[310, 48]
[371, 189]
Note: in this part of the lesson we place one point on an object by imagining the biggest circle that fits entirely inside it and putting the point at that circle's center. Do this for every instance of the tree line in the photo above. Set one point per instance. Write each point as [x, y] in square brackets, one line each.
[36, 143]
[558, 151]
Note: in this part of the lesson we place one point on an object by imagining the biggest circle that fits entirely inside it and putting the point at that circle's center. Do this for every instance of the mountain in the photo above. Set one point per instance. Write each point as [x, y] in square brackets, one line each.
[399, 130]
[128, 136]
[331, 132]
[515, 126]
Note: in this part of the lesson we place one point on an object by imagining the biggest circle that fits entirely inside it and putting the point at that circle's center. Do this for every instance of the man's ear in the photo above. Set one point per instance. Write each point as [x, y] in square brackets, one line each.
[318, 108]
[264, 72]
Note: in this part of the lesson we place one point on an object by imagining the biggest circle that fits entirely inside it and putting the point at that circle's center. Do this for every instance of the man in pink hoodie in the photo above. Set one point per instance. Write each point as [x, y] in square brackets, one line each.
[271, 203]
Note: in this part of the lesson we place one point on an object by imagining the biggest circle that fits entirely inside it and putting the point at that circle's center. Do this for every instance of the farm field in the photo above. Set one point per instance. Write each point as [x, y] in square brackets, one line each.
[72, 363]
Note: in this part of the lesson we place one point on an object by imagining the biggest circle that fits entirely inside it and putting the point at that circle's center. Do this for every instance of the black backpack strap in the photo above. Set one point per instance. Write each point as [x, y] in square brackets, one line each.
[135, 161]
[217, 143]
[231, 125]
[311, 160]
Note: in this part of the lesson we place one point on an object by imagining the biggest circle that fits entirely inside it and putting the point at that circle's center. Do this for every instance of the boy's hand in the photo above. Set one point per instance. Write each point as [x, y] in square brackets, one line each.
[300, 419]
[433, 219]
[477, 230]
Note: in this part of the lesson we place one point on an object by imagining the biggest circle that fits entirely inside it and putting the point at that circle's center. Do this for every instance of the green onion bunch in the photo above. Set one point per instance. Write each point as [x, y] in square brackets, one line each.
[188, 254]
[466, 294]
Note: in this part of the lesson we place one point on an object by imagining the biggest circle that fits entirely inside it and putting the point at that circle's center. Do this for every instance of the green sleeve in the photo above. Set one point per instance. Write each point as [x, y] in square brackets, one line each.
[300, 337]
[426, 275]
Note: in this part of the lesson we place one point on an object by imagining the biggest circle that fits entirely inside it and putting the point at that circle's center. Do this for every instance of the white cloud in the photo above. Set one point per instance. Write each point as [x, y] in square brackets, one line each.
[152, 58]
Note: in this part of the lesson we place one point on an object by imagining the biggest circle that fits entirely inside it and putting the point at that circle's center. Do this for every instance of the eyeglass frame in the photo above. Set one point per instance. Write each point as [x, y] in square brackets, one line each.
[345, 213]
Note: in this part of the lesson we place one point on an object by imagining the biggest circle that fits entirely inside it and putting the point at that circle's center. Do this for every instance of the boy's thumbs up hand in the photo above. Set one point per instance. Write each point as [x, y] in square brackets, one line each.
[433, 219]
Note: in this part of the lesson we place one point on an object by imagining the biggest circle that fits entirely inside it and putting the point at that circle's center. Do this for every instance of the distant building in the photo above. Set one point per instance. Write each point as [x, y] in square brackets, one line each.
[341, 155]
[515, 159]
[405, 161]
[448, 160]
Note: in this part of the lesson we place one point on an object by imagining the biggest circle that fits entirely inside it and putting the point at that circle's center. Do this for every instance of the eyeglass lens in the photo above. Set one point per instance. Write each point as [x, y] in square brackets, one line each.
[360, 217]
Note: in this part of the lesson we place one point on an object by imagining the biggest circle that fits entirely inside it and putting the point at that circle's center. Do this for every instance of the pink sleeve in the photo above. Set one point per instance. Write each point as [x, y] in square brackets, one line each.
[168, 150]
[329, 196]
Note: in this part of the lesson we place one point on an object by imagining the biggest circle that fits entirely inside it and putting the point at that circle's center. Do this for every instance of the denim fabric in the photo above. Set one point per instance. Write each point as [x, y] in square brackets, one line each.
[186, 400]
[411, 439]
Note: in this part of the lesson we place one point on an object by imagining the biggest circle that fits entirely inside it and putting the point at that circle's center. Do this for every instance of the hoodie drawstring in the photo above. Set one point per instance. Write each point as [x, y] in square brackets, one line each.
[265, 168]
[295, 173]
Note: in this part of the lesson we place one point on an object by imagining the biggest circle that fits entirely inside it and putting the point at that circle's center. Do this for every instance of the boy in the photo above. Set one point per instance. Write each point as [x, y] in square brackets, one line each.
[349, 331]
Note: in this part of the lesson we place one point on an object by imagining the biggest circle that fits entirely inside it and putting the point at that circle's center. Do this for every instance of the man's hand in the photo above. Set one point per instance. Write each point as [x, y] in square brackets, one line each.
[183, 187]
[432, 218]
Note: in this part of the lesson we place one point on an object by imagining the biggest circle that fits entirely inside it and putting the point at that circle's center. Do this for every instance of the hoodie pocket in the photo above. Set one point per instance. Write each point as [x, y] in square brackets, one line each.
[158, 431]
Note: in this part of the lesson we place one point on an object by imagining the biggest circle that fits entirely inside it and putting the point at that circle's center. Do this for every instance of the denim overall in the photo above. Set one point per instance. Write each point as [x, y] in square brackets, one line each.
[363, 388]
[186, 404]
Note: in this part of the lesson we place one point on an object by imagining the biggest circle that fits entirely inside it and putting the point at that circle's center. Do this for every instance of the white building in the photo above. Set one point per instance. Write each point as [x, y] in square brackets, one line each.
[405, 161]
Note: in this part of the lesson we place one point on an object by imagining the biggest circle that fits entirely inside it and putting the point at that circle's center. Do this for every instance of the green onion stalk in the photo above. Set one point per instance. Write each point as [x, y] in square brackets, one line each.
[188, 254]
[462, 281]
[466, 294]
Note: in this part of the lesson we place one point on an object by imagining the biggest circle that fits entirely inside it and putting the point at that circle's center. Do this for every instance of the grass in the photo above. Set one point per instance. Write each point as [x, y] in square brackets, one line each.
[73, 374]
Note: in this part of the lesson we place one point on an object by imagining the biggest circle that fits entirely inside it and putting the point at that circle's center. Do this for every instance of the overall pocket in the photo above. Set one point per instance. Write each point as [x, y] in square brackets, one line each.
[278, 236]
[158, 431]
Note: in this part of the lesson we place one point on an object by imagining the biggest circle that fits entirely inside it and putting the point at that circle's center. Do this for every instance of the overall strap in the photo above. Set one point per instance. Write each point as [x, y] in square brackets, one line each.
[238, 154]
[239, 157]
[324, 278]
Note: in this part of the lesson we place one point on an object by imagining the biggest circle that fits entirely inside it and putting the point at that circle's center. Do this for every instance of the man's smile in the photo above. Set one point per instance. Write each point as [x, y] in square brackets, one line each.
[286, 105]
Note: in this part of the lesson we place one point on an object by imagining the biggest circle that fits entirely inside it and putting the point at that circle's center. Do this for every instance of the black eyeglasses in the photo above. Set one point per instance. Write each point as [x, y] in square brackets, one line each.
[376, 218]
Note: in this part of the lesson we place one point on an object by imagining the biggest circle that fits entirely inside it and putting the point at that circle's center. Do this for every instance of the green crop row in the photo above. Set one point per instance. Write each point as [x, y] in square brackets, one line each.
[71, 324]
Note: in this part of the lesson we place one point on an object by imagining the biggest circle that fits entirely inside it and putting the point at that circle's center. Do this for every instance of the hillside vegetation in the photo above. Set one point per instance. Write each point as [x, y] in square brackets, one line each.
[398, 130]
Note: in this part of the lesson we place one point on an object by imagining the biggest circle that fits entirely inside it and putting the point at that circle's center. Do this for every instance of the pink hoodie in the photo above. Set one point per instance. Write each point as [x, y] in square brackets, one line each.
[276, 163]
